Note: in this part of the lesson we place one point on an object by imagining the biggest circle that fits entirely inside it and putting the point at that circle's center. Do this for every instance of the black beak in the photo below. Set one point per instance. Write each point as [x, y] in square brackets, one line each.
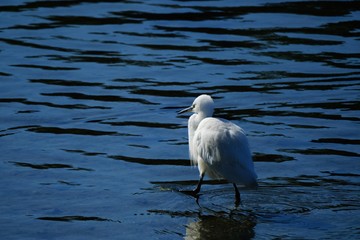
[189, 109]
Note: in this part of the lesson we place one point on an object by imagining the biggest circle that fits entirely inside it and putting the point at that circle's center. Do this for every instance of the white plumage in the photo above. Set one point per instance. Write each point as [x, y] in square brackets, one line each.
[218, 147]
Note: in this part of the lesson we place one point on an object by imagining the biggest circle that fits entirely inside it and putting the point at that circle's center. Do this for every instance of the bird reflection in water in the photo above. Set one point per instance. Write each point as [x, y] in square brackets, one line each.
[222, 227]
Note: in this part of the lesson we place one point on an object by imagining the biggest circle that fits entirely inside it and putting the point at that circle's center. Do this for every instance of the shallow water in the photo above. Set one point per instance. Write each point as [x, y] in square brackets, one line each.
[92, 147]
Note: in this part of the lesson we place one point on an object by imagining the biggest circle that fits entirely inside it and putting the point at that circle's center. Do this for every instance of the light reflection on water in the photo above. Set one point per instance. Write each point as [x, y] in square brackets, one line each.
[92, 146]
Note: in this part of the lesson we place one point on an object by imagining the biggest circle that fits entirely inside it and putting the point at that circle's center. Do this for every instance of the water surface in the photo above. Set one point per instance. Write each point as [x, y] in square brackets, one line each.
[92, 147]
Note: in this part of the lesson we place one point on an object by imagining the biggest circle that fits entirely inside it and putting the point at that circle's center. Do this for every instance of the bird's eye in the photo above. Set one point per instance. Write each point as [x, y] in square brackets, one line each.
[193, 106]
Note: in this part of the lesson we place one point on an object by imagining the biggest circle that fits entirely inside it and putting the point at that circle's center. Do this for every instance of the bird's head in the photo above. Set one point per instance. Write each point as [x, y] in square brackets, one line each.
[203, 104]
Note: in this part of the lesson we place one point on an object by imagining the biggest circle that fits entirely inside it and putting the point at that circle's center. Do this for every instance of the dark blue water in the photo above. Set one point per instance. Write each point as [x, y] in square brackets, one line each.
[92, 147]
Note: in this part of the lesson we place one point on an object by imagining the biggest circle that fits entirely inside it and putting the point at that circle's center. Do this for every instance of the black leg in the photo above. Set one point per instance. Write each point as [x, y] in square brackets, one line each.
[195, 192]
[237, 195]
[198, 187]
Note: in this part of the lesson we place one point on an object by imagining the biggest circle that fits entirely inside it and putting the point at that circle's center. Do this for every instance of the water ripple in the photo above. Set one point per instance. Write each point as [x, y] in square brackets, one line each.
[46, 166]
[90, 91]
[76, 218]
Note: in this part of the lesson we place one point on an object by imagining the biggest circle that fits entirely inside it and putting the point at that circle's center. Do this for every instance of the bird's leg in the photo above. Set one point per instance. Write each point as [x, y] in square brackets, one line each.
[198, 187]
[196, 191]
[237, 195]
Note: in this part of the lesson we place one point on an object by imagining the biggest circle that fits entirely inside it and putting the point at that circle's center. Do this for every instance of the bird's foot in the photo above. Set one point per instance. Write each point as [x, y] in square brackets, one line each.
[192, 193]
[237, 202]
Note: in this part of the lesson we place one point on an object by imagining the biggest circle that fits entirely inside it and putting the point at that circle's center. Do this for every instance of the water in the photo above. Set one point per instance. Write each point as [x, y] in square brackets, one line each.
[92, 147]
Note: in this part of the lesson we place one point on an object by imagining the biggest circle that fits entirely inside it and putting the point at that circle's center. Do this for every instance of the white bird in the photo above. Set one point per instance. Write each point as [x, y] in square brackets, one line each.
[218, 147]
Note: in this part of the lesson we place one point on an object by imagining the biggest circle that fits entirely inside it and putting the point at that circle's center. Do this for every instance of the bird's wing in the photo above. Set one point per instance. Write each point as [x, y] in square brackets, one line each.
[223, 146]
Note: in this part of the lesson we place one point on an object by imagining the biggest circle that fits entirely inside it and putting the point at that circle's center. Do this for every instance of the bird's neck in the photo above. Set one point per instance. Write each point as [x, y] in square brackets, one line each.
[194, 122]
[202, 115]
[199, 117]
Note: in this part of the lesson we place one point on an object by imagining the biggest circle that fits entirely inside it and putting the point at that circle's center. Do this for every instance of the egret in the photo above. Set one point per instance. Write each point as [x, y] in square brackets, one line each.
[218, 147]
